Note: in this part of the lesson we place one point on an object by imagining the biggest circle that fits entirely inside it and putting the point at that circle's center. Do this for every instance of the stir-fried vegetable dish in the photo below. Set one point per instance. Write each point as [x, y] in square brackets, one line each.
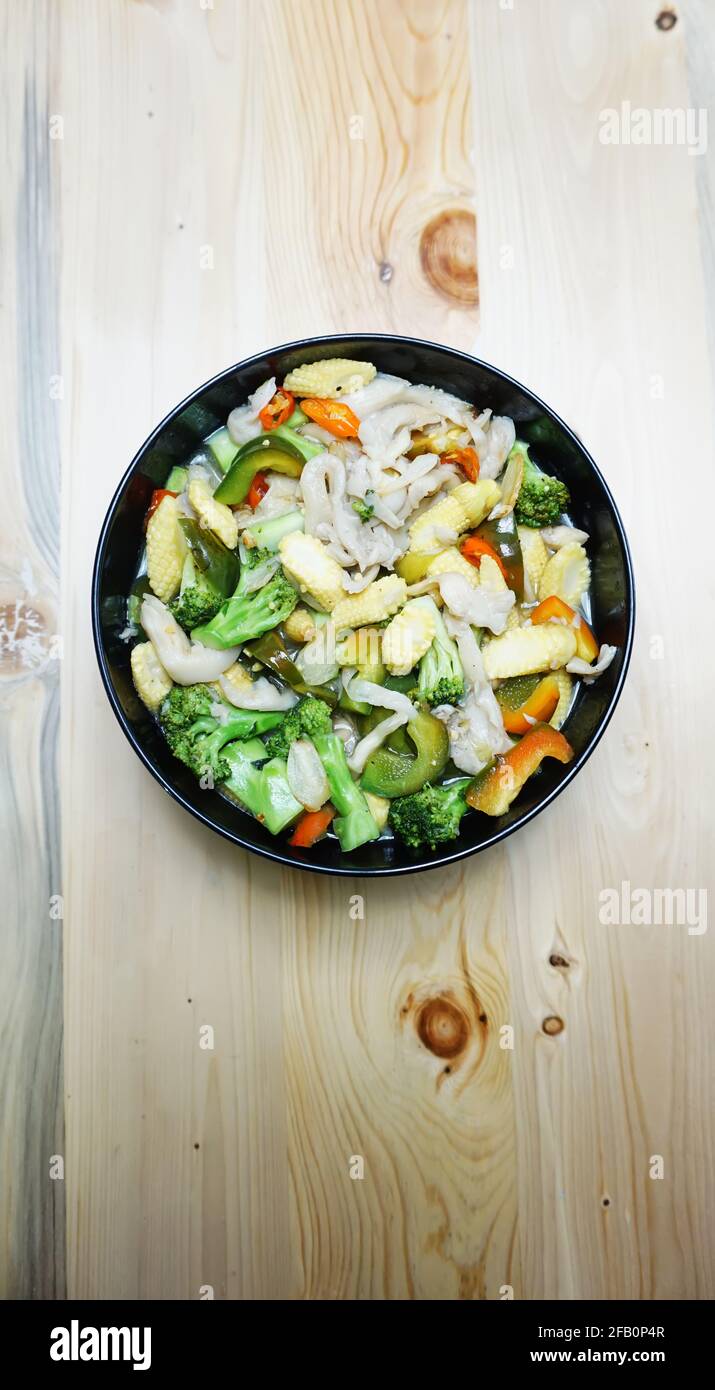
[362, 609]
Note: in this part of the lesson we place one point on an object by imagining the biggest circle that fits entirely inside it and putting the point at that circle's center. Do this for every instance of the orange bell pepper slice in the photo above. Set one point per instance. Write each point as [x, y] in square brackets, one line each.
[279, 409]
[467, 459]
[538, 709]
[257, 490]
[157, 497]
[493, 791]
[553, 607]
[312, 827]
[474, 548]
[333, 416]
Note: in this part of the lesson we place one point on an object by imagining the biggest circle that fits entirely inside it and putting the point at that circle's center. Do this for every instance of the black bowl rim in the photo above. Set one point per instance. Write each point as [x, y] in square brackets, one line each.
[275, 854]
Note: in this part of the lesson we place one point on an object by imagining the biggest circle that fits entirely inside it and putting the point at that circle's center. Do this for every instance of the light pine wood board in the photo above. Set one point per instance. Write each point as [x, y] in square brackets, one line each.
[32, 1209]
[221, 135]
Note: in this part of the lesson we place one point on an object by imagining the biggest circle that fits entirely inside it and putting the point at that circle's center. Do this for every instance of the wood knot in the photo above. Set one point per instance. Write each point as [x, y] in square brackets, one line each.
[24, 638]
[666, 19]
[442, 1027]
[553, 1025]
[448, 252]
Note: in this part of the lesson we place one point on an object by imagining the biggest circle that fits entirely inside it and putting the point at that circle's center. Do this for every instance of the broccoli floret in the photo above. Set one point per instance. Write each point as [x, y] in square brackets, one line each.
[268, 534]
[355, 825]
[314, 716]
[306, 719]
[244, 616]
[198, 600]
[198, 738]
[183, 705]
[541, 498]
[251, 560]
[364, 509]
[441, 678]
[431, 815]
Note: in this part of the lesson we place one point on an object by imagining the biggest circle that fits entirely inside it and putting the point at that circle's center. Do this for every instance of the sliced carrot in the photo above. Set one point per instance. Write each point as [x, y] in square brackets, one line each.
[493, 791]
[538, 709]
[311, 827]
[475, 548]
[554, 608]
[279, 409]
[467, 459]
[333, 416]
[257, 490]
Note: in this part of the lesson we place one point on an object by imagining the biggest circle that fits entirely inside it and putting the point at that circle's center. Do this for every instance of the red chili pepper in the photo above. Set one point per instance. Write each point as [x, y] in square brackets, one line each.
[258, 489]
[467, 459]
[157, 497]
[279, 409]
[339, 419]
[474, 549]
[311, 827]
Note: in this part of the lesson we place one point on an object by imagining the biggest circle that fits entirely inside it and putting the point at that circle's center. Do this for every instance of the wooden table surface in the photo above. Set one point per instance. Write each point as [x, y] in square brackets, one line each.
[187, 181]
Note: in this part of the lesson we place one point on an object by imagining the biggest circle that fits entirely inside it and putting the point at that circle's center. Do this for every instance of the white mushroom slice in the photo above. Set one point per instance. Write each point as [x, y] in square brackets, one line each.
[493, 441]
[354, 581]
[346, 731]
[186, 662]
[262, 395]
[386, 434]
[556, 536]
[243, 422]
[480, 606]
[383, 390]
[306, 775]
[380, 698]
[475, 726]
[510, 484]
[371, 742]
[578, 667]
[262, 694]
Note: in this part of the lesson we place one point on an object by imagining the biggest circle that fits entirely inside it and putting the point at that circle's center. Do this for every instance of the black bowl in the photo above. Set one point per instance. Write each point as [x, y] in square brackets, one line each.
[553, 444]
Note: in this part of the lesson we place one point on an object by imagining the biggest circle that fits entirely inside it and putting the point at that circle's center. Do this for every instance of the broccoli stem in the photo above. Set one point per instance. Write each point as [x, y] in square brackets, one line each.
[309, 448]
[355, 824]
[263, 791]
[269, 534]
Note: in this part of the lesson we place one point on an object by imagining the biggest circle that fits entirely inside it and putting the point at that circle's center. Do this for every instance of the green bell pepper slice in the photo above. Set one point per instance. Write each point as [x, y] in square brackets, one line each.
[264, 452]
[388, 773]
[271, 651]
[503, 536]
[219, 565]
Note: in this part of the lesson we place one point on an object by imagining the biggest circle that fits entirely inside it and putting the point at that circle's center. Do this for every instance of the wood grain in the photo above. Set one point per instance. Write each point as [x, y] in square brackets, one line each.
[234, 176]
[31, 1115]
[596, 273]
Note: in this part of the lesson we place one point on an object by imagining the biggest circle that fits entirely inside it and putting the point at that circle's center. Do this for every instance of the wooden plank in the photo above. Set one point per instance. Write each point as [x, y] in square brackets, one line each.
[31, 1118]
[698, 35]
[368, 134]
[226, 130]
[602, 313]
